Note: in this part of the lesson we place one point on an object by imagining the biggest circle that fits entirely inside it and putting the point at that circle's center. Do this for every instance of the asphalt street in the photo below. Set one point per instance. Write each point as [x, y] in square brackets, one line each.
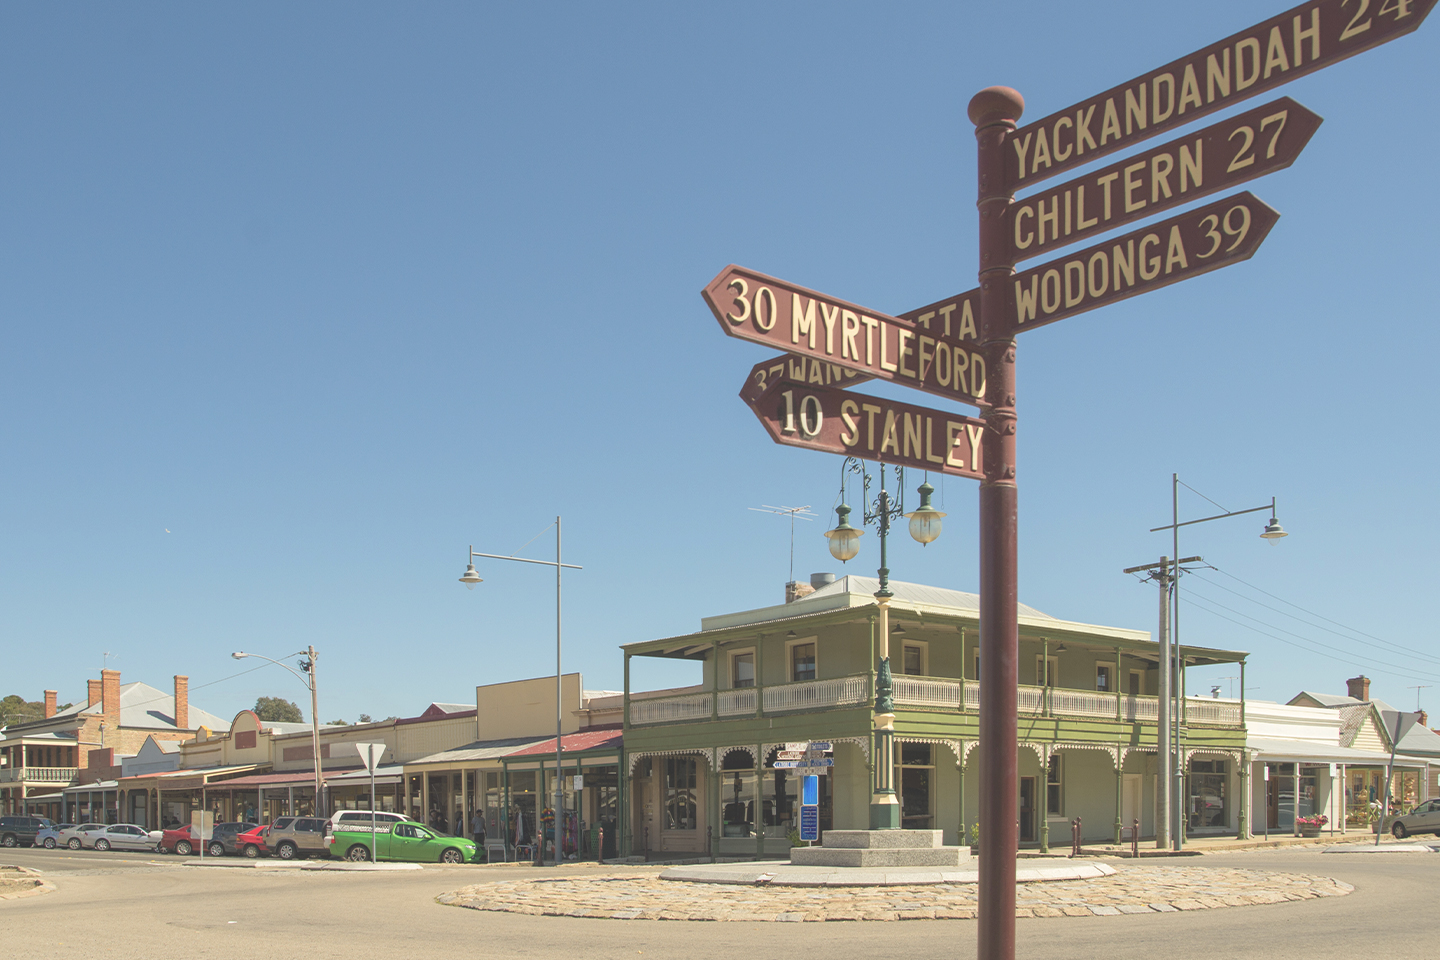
[134, 905]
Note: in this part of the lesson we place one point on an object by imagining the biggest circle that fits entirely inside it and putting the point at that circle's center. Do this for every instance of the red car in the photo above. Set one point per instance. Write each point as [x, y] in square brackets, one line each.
[180, 840]
[252, 843]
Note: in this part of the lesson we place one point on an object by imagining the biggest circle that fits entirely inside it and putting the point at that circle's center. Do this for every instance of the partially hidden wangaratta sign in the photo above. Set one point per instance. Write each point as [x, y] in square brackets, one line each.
[1206, 162]
[764, 309]
[1275, 51]
[871, 428]
[801, 370]
[1195, 242]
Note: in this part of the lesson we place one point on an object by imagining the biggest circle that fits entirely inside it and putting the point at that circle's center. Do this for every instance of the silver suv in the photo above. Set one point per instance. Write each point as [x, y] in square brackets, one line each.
[292, 837]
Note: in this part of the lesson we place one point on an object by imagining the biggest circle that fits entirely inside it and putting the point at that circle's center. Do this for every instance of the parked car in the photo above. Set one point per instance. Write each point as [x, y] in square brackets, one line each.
[49, 837]
[70, 836]
[122, 836]
[21, 831]
[252, 843]
[406, 840]
[179, 840]
[363, 818]
[292, 837]
[1423, 819]
[223, 837]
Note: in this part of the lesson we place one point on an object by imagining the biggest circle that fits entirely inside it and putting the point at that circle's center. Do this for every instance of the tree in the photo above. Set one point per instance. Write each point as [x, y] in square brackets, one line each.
[278, 710]
[16, 709]
[337, 723]
[365, 718]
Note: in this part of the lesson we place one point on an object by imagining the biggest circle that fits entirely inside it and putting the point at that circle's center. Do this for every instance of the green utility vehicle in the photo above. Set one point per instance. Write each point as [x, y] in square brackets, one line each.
[400, 841]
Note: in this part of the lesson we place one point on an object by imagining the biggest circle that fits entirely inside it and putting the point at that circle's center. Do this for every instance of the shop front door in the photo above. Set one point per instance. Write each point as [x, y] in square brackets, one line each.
[1027, 810]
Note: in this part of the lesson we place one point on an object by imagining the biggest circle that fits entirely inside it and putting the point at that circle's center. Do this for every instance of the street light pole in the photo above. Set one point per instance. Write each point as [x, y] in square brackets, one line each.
[470, 579]
[1172, 665]
[307, 665]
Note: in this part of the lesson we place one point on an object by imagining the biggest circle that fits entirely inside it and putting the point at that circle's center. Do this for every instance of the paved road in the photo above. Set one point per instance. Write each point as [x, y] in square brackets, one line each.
[133, 906]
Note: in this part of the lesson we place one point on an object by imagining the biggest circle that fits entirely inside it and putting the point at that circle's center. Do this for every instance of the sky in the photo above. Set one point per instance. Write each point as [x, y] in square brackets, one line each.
[300, 301]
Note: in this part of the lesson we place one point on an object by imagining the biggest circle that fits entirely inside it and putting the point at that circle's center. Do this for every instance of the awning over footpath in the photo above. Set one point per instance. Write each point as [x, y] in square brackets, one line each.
[1310, 751]
[586, 741]
[477, 751]
[196, 779]
[386, 774]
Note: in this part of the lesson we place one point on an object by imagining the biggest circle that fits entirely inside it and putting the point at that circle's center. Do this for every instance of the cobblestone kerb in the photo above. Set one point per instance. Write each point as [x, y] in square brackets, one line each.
[1140, 889]
[17, 882]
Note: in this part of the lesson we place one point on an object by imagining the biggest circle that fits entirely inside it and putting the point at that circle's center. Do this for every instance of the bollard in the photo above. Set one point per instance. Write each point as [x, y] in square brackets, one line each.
[1075, 837]
[600, 845]
[1135, 838]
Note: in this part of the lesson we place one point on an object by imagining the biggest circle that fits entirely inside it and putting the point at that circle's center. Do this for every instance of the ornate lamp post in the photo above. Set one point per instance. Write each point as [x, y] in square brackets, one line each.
[844, 545]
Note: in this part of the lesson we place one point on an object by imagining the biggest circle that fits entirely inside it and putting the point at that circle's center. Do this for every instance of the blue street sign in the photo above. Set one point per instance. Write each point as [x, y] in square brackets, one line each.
[809, 791]
[809, 822]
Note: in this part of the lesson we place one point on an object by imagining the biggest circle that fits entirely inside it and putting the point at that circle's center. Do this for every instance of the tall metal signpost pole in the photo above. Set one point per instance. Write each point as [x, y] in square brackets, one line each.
[994, 112]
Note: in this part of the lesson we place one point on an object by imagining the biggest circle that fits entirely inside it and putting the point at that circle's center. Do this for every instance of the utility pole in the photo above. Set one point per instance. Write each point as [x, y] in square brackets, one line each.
[1163, 573]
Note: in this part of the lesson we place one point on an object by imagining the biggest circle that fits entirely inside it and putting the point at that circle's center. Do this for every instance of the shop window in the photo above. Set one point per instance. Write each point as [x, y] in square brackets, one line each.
[1053, 793]
[802, 660]
[742, 669]
[680, 806]
[1209, 795]
[915, 781]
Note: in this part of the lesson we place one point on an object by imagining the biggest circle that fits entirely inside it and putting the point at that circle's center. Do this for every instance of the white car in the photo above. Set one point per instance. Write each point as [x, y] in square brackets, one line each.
[71, 836]
[121, 836]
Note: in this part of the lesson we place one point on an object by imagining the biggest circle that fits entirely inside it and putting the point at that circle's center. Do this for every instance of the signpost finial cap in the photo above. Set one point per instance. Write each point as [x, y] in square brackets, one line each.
[995, 105]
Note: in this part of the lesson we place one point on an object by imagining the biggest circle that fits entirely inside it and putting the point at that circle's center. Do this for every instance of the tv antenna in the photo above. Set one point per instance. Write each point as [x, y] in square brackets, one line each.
[1417, 694]
[792, 512]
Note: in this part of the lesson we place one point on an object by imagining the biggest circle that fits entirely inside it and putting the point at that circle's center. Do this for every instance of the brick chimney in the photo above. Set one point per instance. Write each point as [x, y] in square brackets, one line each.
[1424, 718]
[1358, 687]
[49, 704]
[795, 590]
[94, 692]
[110, 696]
[182, 702]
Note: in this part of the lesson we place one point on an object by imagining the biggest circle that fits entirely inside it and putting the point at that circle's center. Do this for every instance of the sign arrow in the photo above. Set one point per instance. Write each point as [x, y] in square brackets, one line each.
[1219, 157]
[1295, 43]
[917, 352]
[1195, 242]
[856, 425]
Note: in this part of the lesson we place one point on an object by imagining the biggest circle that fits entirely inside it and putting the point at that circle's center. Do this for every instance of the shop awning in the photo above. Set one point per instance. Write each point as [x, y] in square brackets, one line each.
[387, 774]
[1310, 751]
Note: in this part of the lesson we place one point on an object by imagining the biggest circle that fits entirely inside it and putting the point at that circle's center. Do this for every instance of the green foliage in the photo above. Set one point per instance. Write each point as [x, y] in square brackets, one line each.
[365, 718]
[338, 723]
[16, 709]
[975, 834]
[278, 710]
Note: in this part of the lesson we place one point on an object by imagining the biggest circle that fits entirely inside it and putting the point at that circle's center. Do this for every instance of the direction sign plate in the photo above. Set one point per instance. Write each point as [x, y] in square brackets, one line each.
[1216, 235]
[1297, 42]
[858, 425]
[809, 822]
[1208, 161]
[916, 353]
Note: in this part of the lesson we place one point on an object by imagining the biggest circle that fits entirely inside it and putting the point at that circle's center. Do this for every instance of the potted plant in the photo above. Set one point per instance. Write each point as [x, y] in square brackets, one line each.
[975, 839]
[1310, 826]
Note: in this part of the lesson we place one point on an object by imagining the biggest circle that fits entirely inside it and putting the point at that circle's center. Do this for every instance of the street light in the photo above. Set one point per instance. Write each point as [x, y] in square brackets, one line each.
[470, 579]
[844, 545]
[307, 665]
[1170, 675]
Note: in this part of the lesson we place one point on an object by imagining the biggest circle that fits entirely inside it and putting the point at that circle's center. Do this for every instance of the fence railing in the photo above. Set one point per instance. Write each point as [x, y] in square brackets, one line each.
[927, 692]
[38, 774]
[1211, 712]
[692, 706]
[737, 703]
[839, 692]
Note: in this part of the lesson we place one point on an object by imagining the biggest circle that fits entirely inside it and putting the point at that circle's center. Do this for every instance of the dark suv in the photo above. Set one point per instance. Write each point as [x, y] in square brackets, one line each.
[20, 831]
[223, 837]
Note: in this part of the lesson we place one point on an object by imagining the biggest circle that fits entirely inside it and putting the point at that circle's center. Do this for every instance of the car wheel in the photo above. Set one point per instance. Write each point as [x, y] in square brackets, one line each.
[73, 843]
[252, 851]
[288, 851]
[49, 843]
[216, 849]
[102, 844]
[184, 848]
[10, 840]
[451, 855]
[358, 853]
[1399, 830]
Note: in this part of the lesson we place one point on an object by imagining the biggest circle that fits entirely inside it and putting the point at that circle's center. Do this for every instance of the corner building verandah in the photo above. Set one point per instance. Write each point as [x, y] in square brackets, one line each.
[702, 759]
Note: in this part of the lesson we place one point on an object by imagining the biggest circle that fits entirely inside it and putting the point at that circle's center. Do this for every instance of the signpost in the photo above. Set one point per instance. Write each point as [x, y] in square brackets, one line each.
[370, 754]
[963, 348]
[810, 809]
[858, 425]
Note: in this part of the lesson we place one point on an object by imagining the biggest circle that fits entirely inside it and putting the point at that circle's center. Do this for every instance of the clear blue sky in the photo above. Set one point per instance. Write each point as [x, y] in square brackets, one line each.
[330, 291]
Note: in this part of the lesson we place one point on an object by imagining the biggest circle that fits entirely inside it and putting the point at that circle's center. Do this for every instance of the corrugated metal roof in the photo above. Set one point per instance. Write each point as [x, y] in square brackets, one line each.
[911, 593]
[574, 743]
[1271, 749]
[480, 750]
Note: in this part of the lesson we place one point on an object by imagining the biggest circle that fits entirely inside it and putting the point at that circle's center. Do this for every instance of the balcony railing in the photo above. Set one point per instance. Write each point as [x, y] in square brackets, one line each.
[38, 774]
[936, 693]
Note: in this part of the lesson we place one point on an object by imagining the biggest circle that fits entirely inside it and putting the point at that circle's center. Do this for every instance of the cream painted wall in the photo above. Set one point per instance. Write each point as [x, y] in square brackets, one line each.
[525, 708]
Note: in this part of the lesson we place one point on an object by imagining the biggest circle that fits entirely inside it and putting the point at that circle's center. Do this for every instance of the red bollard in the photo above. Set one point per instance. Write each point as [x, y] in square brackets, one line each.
[1135, 839]
[1075, 837]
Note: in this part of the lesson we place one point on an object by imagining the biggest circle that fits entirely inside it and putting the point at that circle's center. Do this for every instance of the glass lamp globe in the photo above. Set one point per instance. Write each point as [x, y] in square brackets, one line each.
[844, 539]
[471, 578]
[925, 522]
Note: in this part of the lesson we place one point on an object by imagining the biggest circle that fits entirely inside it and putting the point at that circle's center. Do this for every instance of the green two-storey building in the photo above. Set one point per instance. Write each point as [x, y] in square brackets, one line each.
[702, 760]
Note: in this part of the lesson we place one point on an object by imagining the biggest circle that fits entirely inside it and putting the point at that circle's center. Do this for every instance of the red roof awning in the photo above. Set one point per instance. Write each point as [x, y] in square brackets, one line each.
[574, 743]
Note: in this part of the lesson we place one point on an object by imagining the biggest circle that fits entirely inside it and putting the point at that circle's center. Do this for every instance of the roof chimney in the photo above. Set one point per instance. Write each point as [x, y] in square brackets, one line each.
[110, 696]
[93, 692]
[1424, 718]
[49, 704]
[1359, 687]
[182, 702]
[794, 591]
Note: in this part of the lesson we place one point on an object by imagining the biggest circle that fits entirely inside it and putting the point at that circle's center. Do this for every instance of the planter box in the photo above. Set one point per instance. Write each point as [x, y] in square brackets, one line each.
[1310, 831]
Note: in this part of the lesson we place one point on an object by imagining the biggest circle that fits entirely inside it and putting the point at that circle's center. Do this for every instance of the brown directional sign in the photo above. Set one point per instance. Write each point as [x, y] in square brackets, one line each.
[1195, 242]
[855, 425]
[797, 370]
[1202, 163]
[1278, 50]
[764, 309]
